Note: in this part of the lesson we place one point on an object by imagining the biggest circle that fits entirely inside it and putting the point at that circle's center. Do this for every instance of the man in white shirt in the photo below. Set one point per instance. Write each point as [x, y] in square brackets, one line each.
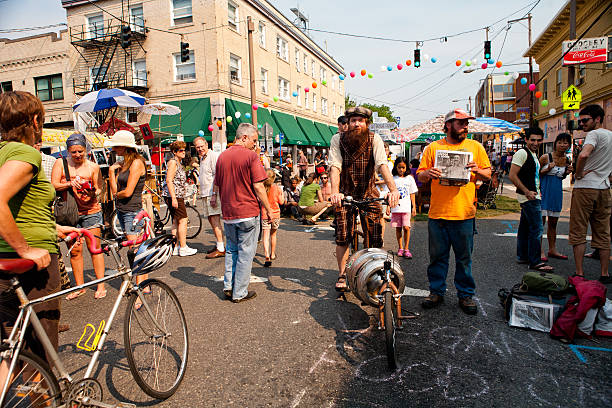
[591, 200]
[212, 209]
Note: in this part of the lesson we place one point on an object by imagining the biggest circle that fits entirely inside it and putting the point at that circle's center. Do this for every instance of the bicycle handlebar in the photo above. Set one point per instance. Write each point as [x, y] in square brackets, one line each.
[350, 201]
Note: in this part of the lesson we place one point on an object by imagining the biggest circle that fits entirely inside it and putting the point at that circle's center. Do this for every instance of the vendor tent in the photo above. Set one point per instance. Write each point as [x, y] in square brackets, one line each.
[499, 123]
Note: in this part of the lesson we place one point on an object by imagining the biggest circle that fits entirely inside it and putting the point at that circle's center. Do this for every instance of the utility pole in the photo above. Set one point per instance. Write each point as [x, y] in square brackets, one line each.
[572, 36]
[531, 100]
[250, 29]
[470, 99]
[490, 80]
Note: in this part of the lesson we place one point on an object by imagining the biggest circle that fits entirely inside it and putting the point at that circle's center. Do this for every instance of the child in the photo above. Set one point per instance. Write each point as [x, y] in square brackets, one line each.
[276, 199]
[400, 215]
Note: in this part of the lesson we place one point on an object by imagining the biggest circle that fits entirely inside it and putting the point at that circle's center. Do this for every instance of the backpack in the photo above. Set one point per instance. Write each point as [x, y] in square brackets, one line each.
[65, 206]
[544, 283]
[516, 292]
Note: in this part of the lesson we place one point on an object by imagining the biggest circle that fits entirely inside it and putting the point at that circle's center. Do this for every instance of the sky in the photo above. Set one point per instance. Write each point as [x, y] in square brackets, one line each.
[414, 94]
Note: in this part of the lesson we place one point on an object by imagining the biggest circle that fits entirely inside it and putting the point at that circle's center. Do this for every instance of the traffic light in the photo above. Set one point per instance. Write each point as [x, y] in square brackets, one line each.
[487, 50]
[417, 58]
[126, 36]
[184, 51]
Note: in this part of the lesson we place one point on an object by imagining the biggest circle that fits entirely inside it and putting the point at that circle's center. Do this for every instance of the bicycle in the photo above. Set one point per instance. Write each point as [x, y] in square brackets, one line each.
[387, 297]
[155, 334]
[194, 219]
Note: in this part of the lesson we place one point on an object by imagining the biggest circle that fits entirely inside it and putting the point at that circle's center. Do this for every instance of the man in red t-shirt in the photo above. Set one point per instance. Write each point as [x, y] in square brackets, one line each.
[239, 178]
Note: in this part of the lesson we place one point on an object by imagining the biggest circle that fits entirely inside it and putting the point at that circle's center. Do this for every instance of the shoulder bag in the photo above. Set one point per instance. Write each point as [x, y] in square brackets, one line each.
[65, 207]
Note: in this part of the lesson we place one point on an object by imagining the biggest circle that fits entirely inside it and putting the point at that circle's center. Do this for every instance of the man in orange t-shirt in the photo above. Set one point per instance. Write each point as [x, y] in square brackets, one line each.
[452, 213]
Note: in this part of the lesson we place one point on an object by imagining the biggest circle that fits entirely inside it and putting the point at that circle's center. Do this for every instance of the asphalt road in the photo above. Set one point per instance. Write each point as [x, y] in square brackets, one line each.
[297, 345]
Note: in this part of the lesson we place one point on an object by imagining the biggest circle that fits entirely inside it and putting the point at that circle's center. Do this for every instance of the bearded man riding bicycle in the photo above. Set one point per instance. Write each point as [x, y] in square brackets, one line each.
[356, 156]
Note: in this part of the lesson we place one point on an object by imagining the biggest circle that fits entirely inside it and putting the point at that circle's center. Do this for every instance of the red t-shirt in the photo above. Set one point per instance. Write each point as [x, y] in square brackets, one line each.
[238, 168]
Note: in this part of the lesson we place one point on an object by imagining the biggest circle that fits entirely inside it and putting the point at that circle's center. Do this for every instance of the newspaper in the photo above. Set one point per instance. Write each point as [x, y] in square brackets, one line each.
[452, 164]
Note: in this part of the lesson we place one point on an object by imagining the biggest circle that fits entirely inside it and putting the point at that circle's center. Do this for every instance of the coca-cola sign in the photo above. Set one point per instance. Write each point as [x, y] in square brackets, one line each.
[586, 51]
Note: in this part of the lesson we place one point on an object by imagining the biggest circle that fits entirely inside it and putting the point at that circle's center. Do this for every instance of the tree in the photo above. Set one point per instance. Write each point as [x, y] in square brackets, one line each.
[383, 110]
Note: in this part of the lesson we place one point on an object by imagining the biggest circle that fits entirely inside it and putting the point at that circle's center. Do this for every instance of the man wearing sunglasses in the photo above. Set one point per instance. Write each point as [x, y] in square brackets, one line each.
[591, 201]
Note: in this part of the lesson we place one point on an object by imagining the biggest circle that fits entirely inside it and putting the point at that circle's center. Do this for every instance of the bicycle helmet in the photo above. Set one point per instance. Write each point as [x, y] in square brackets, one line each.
[151, 254]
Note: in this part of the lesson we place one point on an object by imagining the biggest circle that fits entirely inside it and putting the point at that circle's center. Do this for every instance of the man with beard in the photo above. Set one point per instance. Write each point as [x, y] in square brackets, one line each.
[356, 156]
[452, 213]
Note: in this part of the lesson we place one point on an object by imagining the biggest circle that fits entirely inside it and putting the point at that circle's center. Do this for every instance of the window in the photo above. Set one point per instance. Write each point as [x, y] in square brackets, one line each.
[6, 86]
[95, 25]
[299, 95]
[96, 77]
[235, 69]
[305, 64]
[580, 74]
[264, 81]
[504, 107]
[503, 91]
[312, 65]
[282, 49]
[131, 115]
[297, 60]
[334, 83]
[283, 88]
[232, 15]
[140, 73]
[314, 102]
[184, 70]
[559, 82]
[545, 89]
[334, 109]
[262, 35]
[181, 12]
[306, 101]
[324, 106]
[609, 64]
[323, 75]
[137, 18]
[49, 88]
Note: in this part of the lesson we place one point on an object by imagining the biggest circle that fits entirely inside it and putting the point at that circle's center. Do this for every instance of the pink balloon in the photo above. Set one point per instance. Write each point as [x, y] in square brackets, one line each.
[352, 74]
[532, 87]
[484, 65]
[211, 128]
[306, 89]
[255, 106]
[400, 66]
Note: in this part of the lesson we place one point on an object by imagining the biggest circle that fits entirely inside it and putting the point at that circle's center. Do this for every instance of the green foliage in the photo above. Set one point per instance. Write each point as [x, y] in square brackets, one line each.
[383, 110]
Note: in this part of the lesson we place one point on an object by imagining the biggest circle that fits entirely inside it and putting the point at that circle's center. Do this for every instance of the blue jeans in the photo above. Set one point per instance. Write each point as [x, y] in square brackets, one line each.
[239, 253]
[444, 234]
[528, 244]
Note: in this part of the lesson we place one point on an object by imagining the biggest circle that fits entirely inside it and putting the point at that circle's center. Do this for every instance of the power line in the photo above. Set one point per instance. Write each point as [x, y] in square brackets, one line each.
[18, 30]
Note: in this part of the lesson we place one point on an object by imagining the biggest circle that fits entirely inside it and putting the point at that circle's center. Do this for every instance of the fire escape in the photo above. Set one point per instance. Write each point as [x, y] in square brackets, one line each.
[105, 61]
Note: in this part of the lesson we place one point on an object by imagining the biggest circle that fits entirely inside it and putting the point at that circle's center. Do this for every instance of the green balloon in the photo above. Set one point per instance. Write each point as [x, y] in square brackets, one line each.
[506, 73]
[370, 76]
[275, 99]
[544, 102]
[324, 82]
[229, 119]
[468, 63]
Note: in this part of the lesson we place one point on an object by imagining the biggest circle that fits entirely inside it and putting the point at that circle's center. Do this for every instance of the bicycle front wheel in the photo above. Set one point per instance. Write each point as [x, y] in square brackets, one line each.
[388, 307]
[156, 343]
[194, 222]
[33, 384]
[116, 225]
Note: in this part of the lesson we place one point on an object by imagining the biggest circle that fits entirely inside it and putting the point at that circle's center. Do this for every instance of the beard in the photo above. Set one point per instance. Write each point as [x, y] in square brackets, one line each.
[460, 136]
[355, 137]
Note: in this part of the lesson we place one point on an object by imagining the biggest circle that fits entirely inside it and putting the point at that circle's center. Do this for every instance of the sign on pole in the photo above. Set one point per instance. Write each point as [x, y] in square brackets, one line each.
[571, 98]
[586, 51]
[382, 126]
[397, 120]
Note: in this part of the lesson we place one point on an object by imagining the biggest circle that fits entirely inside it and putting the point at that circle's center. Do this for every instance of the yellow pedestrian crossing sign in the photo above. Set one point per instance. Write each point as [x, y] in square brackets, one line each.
[572, 98]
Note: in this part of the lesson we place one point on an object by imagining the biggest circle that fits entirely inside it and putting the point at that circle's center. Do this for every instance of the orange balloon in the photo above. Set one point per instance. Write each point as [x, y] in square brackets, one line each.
[219, 124]
[498, 64]
[538, 94]
[314, 84]
[458, 63]
[266, 104]
[363, 72]
[408, 63]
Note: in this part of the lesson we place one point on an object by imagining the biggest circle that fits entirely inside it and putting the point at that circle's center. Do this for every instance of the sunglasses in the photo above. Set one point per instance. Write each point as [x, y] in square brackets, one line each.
[180, 150]
[584, 120]
[323, 178]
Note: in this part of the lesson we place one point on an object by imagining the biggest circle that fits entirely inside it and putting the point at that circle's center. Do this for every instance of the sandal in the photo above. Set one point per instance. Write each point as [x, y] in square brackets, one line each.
[341, 285]
[267, 263]
[76, 294]
[542, 267]
[559, 256]
[100, 294]
[273, 257]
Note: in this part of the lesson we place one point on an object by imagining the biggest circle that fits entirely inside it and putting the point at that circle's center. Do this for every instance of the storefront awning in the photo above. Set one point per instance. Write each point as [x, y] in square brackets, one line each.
[194, 116]
[334, 129]
[325, 132]
[311, 132]
[288, 125]
[263, 116]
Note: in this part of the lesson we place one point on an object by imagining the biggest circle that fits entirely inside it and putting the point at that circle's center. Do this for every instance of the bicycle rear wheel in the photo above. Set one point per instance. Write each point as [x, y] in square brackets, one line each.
[388, 308]
[33, 383]
[156, 346]
[194, 222]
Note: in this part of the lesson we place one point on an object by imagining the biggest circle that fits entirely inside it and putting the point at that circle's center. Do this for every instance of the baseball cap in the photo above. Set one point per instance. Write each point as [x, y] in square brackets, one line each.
[457, 114]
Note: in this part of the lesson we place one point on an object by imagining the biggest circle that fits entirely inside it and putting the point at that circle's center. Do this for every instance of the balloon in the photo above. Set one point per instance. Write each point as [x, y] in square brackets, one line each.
[314, 85]
[532, 87]
[237, 115]
[211, 128]
[294, 94]
[491, 61]
[515, 75]
[506, 73]
[229, 119]
[352, 75]
[219, 124]
[324, 82]
[434, 59]
[458, 63]
[383, 68]
[247, 115]
[523, 81]
[544, 102]
[370, 75]
[576, 114]
[552, 111]
[498, 64]
[266, 104]
[400, 66]
[255, 106]
[363, 72]
[258, 126]
[408, 63]
[275, 99]
[474, 61]
[200, 132]
[389, 68]
[307, 89]
[468, 63]
[426, 56]
[484, 65]
[341, 77]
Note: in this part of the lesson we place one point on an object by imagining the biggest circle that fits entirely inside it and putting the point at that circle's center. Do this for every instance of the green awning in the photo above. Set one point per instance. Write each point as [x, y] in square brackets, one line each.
[194, 116]
[311, 132]
[293, 135]
[263, 116]
[334, 129]
[433, 137]
[325, 132]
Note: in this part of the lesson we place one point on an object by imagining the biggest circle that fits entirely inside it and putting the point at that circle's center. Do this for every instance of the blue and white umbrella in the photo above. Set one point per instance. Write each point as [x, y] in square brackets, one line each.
[499, 123]
[108, 98]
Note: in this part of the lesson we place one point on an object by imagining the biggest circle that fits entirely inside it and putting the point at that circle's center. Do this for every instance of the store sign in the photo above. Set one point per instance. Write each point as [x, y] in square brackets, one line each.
[586, 51]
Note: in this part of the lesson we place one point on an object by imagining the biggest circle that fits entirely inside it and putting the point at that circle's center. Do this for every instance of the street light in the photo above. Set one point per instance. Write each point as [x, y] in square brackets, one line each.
[467, 71]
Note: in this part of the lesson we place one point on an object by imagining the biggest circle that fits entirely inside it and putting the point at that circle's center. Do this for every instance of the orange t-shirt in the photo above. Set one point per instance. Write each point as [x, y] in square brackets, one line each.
[453, 202]
[275, 198]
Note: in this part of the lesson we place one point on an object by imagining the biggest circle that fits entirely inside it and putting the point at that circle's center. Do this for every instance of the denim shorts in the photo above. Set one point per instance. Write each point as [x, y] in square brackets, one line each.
[126, 219]
[89, 220]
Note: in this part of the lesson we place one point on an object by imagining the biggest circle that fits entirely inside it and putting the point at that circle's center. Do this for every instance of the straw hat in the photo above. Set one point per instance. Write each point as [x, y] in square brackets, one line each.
[123, 138]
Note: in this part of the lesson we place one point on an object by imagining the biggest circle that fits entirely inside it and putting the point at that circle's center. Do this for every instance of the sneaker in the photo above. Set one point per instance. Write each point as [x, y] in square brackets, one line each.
[400, 252]
[175, 251]
[186, 251]
[227, 293]
[605, 279]
[250, 295]
[407, 254]
[468, 305]
[432, 301]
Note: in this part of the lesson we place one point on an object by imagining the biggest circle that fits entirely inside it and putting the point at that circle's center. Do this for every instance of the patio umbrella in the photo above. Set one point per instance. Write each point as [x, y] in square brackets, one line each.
[160, 109]
[108, 98]
[499, 123]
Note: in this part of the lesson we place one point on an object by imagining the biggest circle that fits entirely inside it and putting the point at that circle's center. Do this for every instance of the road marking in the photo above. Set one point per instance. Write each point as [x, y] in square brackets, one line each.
[317, 228]
[254, 279]
[298, 398]
[579, 354]
[513, 234]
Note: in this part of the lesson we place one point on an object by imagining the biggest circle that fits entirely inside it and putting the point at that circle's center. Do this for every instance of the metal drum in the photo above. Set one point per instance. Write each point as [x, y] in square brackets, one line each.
[365, 273]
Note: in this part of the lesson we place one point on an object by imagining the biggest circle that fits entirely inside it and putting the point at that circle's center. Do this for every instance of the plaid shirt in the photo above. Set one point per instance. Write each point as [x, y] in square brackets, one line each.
[47, 164]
